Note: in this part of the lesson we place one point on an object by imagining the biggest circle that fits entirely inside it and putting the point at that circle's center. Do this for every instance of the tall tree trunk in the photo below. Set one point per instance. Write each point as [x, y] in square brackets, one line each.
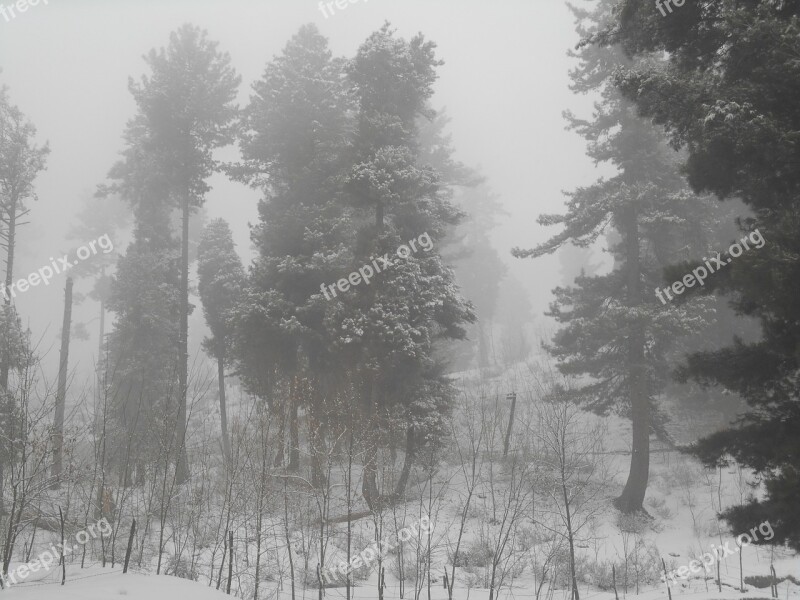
[61, 390]
[369, 484]
[6, 402]
[281, 442]
[223, 413]
[11, 241]
[181, 461]
[411, 453]
[316, 438]
[483, 348]
[349, 479]
[100, 347]
[288, 537]
[103, 394]
[570, 536]
[100, 394]
[294, 429]
[632, 498]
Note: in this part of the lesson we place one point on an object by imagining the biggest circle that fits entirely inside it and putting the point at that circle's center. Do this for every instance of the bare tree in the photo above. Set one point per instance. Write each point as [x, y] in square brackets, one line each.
[573, 476]
[511, 496]
[467, 436]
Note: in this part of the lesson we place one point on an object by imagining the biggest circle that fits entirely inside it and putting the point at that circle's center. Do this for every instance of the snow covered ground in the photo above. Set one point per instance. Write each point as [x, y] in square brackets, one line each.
[98, 584]
[682, 499]
[132, 586]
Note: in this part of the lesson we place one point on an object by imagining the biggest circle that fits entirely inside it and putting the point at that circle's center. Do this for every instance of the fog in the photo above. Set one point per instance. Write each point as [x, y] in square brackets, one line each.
[383, 299]
[504, 85]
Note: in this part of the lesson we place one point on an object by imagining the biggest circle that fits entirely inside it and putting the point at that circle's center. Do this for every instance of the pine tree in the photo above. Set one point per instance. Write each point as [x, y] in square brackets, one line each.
[295, 145]
[186, 111]
[21, 161]
[478, 268]
[221, 283]
[339, 193]
[729, 96]
[615, 330]
[102, 215]
[393, 324]
[144, 296]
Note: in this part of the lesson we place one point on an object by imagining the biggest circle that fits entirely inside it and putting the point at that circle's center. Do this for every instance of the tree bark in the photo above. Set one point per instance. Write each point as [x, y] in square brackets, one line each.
[294, 428]
[571, 540]
[6, 403]
[181, 461]
[61, 390]
[223, 413]
[411, 454]
[632, 498]
[130, 546]
[507, 442]
[11, 241]
[316, 438]
[230, 562]
[369, 485]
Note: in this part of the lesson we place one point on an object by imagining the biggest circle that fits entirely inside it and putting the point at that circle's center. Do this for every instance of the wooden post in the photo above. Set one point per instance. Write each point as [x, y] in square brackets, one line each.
[666, 579]
[62, 561]
[130, 546]
[222, 564]
[513, 397]
[719, 582]
[774, 585]
[614, 581]
[230, 561]
[741, 570]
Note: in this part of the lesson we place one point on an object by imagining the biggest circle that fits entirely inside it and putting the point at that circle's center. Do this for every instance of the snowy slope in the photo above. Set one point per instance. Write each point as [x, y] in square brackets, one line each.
[107, 585]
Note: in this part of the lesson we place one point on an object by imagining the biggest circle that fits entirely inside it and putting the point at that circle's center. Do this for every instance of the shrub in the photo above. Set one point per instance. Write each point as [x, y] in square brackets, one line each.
[659, 506]
[764, 581]
[478, 554]
[181, 568]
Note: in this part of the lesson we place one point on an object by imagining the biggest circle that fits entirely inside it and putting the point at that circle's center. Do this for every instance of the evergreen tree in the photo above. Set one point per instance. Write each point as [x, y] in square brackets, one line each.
[392, 324]
[186, 111]
[221, 282]
[477, 265]
[21, 161]
[478, 268]
[728, 95]
[144, 295]
[615, 330]
[295, 145]
[101, 215]
[338, 193]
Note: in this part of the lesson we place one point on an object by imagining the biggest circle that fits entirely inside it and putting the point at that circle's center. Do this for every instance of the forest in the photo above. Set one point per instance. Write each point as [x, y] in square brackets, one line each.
[294, 342]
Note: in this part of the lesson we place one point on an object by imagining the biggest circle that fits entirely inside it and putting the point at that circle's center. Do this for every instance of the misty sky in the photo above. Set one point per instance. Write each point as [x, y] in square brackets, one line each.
[504, 84]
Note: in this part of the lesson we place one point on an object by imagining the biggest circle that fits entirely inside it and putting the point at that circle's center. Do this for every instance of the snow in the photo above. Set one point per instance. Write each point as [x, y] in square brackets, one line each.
[99, 584]
[682, 498]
